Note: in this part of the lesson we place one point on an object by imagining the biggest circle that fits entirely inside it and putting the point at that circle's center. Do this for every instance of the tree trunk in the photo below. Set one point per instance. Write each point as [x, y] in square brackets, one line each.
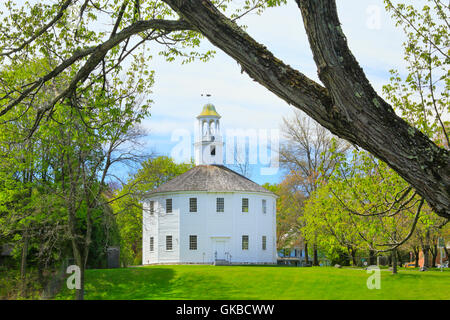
[315, 256]
[434, 253]
[23, 265]
[306, 253]
[41, 277]
[352, 252]
[399, 257]
[77, 249]
[355, 263]
[446, 254]
[426, 256]
[79, 293]
[394, 261]
[416, 251]
[81, 263]
[372, 258]
[348, 105]
[27, 179]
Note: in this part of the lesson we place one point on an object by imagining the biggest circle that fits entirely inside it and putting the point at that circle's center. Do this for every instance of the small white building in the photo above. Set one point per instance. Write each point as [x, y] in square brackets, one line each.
[209, 214]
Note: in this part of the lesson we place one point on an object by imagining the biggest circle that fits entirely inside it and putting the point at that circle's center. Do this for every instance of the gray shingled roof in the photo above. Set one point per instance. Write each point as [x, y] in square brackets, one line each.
[213, 178]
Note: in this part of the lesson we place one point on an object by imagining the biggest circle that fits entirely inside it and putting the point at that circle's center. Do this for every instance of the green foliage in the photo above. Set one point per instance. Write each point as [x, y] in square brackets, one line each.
[57, 177]
[128, 208]
[105, 233]
[289, 209]
[10, 283]
[271, 187]
[157, 171]
[337, 256]
[364, 205]
[422, 94]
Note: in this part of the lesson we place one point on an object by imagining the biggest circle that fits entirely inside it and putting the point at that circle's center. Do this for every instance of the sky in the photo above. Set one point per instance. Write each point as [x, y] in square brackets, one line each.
[245, 104]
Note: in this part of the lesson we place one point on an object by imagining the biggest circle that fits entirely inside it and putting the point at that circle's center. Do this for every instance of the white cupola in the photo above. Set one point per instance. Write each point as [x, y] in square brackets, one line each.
[208, 148]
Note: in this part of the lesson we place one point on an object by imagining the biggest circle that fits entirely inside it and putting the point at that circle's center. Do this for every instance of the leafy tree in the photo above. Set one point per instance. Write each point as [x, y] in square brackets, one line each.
[68, 159]
[365, 205]
[307, 156]
[333, 230]
[128, 208]
[289, 208]
[427, 233]
[30, 214]
[85, 158]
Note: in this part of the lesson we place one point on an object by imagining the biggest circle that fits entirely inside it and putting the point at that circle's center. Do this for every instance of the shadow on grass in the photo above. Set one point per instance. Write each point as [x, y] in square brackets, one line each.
[125, 284]
[263, 265]
[155, 283]
[129, 283]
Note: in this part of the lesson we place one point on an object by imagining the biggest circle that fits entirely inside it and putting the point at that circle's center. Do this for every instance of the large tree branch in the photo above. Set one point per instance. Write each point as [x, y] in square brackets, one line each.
[348, 106]
[415, 157]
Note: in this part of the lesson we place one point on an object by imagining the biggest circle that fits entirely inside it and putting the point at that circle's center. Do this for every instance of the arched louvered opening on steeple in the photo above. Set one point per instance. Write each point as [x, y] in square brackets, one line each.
[209, 146]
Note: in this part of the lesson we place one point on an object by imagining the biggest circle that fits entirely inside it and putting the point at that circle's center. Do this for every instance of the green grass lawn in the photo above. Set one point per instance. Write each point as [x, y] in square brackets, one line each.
[259, 282]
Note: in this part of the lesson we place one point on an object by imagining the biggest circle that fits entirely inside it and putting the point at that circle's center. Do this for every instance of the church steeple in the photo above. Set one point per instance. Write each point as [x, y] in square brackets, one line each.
[208, 150]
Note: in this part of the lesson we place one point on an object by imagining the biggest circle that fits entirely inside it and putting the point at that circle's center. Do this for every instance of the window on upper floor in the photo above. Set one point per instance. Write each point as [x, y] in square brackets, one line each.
[264, 206]
[220, 205]
[245, 242]
[192, 242]
[152, 207]
[192, 204]
[244, 204]
[168, 205]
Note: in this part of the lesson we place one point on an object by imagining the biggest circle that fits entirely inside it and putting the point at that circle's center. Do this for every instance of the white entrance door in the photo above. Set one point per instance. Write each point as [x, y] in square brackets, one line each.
[220, 249]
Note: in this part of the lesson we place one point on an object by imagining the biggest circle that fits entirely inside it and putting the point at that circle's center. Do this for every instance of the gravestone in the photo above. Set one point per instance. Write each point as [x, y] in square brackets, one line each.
[113, 257]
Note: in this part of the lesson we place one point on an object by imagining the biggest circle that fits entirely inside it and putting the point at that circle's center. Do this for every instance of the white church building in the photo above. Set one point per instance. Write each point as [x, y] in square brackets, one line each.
[210, 214]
